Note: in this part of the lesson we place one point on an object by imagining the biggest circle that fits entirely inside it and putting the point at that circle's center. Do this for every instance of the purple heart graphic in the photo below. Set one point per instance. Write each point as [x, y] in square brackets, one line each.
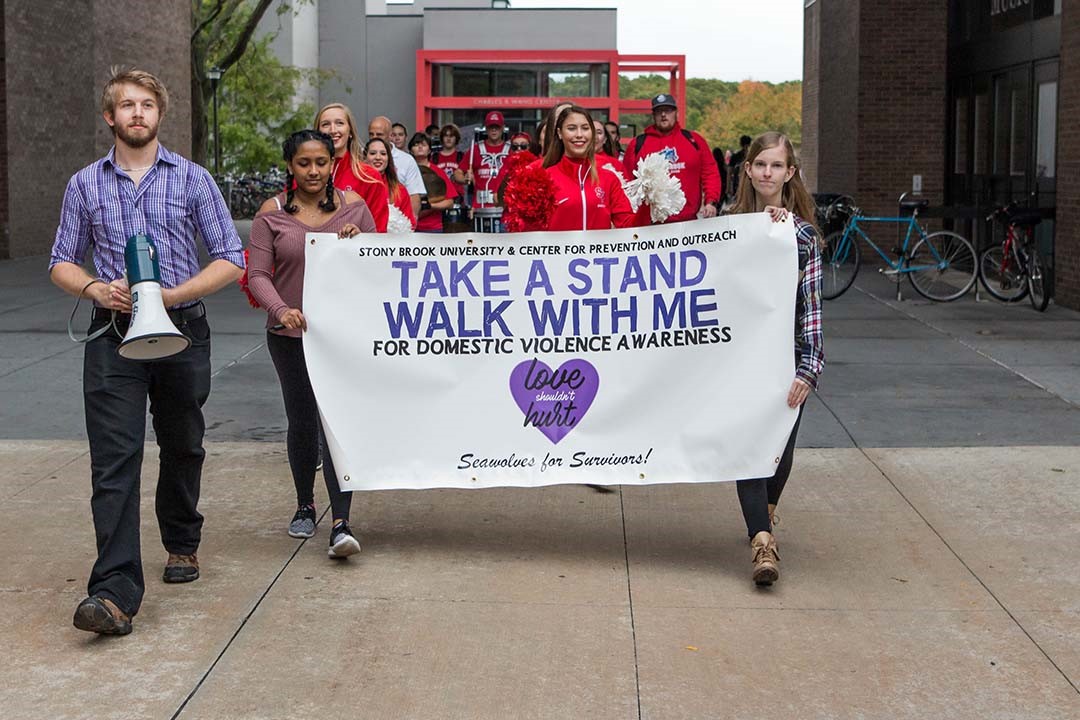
[554, 401]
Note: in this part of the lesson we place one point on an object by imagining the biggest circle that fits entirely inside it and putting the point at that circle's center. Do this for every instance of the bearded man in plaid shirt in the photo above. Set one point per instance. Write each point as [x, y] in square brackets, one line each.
[140, 187]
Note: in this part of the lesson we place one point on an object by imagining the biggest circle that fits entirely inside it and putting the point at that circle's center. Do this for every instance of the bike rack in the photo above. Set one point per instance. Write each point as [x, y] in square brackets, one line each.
[900, 233]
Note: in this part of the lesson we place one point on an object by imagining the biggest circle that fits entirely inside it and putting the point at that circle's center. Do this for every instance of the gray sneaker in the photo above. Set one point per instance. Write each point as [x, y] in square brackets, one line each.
[303, 522]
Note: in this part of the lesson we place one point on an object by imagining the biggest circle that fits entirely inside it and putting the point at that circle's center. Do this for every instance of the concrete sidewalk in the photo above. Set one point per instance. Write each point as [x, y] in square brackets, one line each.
[928, 539]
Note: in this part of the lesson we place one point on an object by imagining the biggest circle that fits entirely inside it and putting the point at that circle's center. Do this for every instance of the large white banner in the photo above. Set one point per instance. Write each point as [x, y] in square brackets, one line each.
[647, 355]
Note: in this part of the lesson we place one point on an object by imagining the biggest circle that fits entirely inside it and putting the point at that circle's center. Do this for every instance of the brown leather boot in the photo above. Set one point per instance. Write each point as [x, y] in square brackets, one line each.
[101, 616]
[766, 559]
[181, 568]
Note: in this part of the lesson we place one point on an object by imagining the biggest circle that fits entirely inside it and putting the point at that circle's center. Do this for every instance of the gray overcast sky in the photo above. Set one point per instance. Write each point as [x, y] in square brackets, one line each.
[726, 39]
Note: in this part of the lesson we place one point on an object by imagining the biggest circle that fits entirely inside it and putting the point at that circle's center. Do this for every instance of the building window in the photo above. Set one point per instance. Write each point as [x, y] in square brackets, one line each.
[1018, 151]
[982, 134]
[527, 80]
[1046, 130]
[960, 136]
[1001, 126]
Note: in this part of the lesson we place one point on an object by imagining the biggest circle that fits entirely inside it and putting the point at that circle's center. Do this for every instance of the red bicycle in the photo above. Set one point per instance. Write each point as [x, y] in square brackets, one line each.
[1013, 270]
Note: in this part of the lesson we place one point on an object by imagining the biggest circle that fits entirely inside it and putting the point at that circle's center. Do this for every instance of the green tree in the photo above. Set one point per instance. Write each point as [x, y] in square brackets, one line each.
[569, 86]
[700, 94]
[257, 106]
[753, 109]
[257, 109]
[642, 87]
[221, 31]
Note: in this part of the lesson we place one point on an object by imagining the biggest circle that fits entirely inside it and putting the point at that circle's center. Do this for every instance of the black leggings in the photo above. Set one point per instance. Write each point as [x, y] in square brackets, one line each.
[305, 432]
[756, 495]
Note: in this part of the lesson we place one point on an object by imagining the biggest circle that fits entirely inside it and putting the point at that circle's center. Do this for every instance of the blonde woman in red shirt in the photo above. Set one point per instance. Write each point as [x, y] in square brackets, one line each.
[350, 171]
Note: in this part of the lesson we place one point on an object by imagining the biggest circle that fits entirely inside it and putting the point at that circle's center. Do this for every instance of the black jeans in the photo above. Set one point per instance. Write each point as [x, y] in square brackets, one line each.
[305, 432]
[756, 495]
[114, 394]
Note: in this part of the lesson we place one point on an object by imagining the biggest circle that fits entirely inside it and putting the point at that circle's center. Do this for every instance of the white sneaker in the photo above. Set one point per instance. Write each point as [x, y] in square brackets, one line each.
[342, 542]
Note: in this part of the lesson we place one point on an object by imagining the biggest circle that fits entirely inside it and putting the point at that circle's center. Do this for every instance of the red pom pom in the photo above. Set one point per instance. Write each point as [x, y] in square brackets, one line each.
[530, 200]
[518, 160]
[243, 283]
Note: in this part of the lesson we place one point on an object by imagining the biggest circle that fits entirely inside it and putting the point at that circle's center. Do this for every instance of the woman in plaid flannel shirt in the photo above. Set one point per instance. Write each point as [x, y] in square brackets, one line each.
[775, 186]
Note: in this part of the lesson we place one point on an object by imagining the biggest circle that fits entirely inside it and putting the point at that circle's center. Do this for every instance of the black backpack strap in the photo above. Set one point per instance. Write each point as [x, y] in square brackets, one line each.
[690, 136]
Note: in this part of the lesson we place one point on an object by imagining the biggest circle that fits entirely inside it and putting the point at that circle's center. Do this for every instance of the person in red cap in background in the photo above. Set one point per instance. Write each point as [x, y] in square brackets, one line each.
[691, 161]
[484, 161]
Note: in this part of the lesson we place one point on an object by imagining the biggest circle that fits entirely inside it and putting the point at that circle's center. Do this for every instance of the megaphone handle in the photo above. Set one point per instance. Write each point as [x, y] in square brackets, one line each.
[97, 333]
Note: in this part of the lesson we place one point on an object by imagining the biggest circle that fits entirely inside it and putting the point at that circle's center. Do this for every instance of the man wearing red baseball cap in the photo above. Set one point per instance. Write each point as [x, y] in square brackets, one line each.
[484, 161]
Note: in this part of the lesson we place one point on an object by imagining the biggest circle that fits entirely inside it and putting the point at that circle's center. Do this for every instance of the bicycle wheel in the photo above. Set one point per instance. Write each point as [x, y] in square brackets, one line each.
[839, 264]
[942, 266]
[1003, 278]
[1036, 282]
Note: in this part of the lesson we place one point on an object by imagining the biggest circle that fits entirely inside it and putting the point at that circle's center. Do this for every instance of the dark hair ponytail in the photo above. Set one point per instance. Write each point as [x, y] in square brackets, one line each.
[288, 151]
[290, 186]
[328, 203]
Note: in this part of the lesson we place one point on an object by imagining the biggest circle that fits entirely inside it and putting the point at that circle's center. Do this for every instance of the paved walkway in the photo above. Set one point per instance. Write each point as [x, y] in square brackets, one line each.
[927, 536]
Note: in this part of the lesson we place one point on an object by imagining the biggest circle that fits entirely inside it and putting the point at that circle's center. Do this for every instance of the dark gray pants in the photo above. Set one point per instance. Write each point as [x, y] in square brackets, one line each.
[115, 391]
[305, 432]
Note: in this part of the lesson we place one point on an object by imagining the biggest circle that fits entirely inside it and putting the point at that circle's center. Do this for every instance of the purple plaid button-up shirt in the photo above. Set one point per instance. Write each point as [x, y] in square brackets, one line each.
[103, 208]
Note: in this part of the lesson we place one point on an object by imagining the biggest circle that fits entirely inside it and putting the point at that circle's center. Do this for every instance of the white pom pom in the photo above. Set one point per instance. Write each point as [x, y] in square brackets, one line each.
[399, 223]
[653, 184]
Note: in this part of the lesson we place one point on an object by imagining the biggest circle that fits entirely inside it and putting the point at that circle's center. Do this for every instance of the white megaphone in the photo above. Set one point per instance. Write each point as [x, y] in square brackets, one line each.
[151, 334]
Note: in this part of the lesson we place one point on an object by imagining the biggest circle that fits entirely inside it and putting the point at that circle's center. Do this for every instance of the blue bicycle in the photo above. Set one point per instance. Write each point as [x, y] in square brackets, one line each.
[941, 266]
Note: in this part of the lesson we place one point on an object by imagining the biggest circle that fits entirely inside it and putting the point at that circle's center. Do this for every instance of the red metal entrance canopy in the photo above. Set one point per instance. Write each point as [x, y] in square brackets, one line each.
[428, 102]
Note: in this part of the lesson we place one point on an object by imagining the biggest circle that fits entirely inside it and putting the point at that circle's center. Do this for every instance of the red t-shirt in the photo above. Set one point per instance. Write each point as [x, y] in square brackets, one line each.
[371, 187]
[485, 160]
[449, 163]
[432, 219]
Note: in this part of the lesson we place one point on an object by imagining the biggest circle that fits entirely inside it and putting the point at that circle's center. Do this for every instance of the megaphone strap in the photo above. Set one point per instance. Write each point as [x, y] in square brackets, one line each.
[97, 333]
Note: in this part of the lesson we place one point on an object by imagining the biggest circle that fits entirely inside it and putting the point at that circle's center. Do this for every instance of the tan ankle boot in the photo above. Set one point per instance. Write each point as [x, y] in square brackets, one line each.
[766, 559]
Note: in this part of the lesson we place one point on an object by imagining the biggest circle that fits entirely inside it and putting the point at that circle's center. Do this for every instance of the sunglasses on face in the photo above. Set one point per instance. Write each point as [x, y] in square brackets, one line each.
[519, 146]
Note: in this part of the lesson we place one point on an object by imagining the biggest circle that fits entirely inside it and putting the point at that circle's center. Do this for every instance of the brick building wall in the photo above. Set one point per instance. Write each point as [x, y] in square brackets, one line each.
[838, 95]
[901, 94]
[1067, 240]
[4, 235]
[874, 82]
[52, 99]
[875, 113]
[808, 153]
